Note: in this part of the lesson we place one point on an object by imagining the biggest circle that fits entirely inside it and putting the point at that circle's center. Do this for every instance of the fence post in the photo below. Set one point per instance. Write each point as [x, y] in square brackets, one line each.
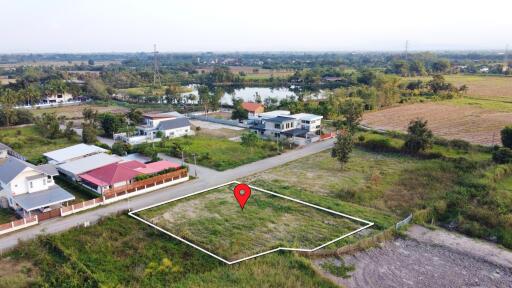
[24, 220]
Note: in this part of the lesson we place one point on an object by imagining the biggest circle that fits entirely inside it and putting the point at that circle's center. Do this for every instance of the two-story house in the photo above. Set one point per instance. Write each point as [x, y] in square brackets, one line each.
[300, 128]
[27, 188]
[156, 126]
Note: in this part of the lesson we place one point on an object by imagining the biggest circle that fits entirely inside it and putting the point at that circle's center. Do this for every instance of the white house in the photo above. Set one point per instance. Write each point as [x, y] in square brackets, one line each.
[57, 98]
[27, 188]
[156, 126]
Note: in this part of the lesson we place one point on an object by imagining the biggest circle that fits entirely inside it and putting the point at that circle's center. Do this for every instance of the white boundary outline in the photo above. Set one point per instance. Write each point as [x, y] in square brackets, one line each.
[368, 224]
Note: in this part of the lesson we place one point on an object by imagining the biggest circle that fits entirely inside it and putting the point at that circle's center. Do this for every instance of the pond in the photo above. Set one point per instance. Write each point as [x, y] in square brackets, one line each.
[250, 93]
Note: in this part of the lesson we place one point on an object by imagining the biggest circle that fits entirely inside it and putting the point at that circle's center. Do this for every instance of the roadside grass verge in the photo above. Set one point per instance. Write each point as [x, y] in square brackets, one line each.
[28, 142]
[214, 221]
[122, 252]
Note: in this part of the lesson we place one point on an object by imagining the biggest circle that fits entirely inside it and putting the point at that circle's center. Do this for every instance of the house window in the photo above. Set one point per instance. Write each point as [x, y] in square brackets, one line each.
[276, 135]
[31, 184]
[277, 126]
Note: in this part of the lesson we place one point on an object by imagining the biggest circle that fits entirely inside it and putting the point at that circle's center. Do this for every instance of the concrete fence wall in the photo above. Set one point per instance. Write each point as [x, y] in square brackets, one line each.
[18, 224]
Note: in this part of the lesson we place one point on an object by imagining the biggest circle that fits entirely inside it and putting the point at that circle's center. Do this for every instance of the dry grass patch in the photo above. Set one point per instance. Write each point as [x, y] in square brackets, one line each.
[473, 124]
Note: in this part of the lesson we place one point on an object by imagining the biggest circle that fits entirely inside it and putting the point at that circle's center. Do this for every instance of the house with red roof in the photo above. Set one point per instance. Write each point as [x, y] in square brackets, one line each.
[122, 173]
[253, 109]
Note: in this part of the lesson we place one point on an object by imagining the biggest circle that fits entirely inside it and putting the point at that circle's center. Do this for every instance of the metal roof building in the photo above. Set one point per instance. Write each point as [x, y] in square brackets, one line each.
[32, 201]
[72, 152]
[76, 167]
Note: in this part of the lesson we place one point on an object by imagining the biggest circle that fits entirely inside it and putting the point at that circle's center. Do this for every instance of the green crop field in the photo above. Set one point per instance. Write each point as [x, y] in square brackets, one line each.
[214, 221]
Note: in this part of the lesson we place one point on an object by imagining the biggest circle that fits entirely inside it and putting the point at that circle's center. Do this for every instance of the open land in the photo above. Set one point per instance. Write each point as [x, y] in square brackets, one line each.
[214, 221]
[28, 142]
[427, 259]
[473, 124]
[75, 111]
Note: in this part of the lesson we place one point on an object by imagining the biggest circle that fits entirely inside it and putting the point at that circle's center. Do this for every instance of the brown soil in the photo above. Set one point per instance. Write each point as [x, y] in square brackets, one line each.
[476, 125]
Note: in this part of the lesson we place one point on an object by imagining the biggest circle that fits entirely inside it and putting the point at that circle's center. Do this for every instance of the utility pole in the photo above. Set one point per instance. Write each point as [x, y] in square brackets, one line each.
[156, 74]
[506, 65]
[195, 165]
[406, 50]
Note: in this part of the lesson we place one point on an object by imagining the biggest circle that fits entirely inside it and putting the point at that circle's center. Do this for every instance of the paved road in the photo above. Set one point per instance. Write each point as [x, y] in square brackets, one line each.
[207, 178]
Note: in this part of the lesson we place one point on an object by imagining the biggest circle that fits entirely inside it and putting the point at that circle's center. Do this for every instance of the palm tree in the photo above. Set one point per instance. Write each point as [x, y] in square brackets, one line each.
[8, 99]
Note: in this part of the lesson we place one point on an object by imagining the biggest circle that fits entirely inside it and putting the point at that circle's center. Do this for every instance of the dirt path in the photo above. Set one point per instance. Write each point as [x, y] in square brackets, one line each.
[429, 259]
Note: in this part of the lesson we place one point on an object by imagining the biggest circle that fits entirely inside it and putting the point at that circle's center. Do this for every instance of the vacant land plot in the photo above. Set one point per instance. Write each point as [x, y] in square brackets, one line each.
[214, 221]
[216, 152]
[476, 125]
[28, 142]
[75, 112]
[254, 73]
[485, 87]
[428, 260]
[123, 252]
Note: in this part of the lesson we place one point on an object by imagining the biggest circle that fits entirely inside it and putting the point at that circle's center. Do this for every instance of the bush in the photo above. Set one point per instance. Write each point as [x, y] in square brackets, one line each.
[502, 155]
[460, 144]
[379, 145]
[121, 148]
[506, 137]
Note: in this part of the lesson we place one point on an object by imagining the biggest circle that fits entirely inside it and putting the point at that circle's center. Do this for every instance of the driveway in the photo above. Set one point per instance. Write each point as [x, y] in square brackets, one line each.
[207, 178]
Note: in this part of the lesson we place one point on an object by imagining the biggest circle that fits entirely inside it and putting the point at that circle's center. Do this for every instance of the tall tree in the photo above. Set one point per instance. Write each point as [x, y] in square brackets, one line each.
[8, 99]
[343, 146]
[419, 136]
[352, 111]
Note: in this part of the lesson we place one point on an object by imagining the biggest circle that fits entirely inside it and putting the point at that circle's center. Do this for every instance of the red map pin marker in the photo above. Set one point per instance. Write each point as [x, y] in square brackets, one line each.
[242, 193]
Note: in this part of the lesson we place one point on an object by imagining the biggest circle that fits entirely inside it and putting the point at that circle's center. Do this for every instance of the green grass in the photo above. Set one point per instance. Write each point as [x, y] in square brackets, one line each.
[215, 152]
[338, 270]
[487, 104]
[213, 220]
[6, 215]
[29, 143]
[122, 252]
[81, 193]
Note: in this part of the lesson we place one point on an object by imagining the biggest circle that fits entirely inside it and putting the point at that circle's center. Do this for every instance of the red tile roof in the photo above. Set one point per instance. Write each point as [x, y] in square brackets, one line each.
[125, 171]
[251, 106]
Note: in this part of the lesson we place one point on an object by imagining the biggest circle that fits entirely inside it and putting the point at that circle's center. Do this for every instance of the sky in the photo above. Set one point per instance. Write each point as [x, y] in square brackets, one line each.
[90, 26]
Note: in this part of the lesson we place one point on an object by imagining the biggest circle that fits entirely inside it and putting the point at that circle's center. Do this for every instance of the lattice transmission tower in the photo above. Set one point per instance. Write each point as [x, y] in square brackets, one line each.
[157, 82]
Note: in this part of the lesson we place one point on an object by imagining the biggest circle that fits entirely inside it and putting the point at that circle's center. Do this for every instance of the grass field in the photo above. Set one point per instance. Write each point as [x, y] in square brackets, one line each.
[123, 252]
[214, 221]
[466, 122]
[215, 152]
[29, 143]
[142, 91]
[75, 112]
[255, 73]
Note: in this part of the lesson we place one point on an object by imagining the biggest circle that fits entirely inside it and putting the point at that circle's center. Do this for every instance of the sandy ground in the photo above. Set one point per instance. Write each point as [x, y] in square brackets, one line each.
[430, 259]
[476, 125]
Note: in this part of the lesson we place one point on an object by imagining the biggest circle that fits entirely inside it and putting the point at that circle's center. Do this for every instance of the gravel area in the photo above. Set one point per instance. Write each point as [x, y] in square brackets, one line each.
[425, 262]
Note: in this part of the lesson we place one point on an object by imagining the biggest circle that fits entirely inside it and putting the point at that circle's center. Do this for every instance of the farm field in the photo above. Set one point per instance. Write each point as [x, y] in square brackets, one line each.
[254, 73]
[29, 143]
[494, 88]
[55, 63]
[214, 221]
[473, 124]
[123, 252]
